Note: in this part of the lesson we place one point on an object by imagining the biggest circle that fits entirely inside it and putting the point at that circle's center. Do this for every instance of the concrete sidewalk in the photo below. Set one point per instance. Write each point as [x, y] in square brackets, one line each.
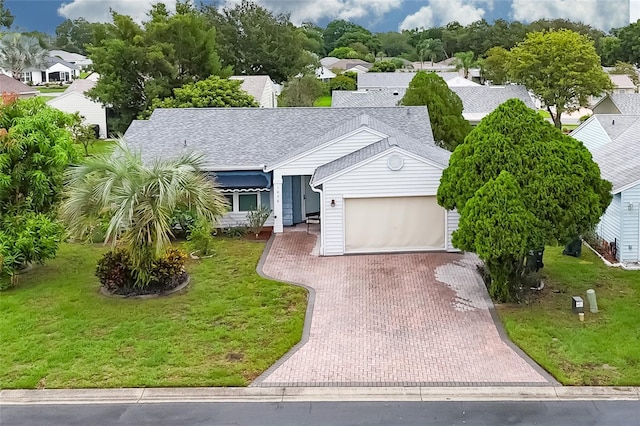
[314, 394]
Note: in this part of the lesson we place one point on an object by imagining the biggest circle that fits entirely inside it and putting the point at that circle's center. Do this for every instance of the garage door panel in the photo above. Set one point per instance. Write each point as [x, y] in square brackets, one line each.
[393, 224]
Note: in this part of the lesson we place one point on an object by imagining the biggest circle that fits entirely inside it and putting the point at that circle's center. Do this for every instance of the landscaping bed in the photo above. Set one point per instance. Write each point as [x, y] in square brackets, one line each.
[602, 350]
[224, 329]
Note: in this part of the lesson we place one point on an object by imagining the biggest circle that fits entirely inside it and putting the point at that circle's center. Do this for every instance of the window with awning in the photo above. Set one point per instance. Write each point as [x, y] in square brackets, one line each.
[242, 181]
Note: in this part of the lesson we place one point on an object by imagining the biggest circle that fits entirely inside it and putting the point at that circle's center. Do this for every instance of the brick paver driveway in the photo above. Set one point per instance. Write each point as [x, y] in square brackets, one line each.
[402, 319]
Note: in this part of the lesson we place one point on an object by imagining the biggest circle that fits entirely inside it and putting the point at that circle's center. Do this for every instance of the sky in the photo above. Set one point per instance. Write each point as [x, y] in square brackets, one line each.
[376, 15]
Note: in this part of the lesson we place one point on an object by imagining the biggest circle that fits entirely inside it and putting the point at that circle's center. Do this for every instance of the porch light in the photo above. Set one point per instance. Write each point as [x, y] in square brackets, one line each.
[333, 203]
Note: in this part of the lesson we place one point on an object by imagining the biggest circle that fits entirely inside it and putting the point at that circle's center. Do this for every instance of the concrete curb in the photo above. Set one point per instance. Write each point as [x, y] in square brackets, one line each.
[313, 394]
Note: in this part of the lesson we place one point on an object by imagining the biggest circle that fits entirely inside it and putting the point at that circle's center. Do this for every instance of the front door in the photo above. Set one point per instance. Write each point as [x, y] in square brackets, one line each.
[311, 198]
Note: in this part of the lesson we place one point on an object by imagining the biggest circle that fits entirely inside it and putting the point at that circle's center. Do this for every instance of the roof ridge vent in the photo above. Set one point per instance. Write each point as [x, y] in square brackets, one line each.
[364, 120]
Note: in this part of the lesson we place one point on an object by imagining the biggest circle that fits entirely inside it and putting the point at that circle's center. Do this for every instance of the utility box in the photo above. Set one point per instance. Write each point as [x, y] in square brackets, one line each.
[577, 305]
[574, 248]
[534, 260]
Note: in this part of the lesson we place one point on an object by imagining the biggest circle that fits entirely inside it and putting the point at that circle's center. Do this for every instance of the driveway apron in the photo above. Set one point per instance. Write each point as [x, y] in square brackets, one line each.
[393, 320]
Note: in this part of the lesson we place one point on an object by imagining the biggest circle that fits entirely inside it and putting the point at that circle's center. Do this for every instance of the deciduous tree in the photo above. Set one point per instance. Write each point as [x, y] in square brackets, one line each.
[6, 18]
[445, 108]
[561, 68]
[495, 67]
[301, 91]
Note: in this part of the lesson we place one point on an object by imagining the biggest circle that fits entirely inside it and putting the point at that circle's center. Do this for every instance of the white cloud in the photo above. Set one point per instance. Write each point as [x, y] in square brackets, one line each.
[314, 10]
[441, 12]
[99, 10]
[603, 14]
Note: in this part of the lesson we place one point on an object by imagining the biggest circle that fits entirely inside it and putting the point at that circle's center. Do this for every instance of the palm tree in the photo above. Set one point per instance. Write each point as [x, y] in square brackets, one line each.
[19, 53]
[430, 48]
[139, 200]
[464, 61]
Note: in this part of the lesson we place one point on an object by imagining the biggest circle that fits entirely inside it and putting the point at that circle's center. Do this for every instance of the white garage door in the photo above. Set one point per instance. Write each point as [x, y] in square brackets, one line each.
[393, 224]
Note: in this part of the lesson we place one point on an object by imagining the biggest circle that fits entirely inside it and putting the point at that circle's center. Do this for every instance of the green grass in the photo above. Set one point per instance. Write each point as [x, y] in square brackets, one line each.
[84, 74]
[544, 113]
[226, 329]
[97, 147]
[602, 350]
[323, 101]
[52, 89]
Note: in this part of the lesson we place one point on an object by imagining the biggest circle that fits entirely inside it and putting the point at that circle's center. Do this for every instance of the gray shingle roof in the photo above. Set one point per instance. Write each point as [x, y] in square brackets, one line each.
[619, 160]
[11, 85]
[51, 60]
[475, 99]
[81, 86]
[255, 137]
[253, 84]
[393, 80]
[627, 103]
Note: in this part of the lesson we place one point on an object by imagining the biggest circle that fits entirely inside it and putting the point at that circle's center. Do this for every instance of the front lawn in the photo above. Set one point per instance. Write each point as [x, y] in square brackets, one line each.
[56, 89]
[602, 350]
[227, 328]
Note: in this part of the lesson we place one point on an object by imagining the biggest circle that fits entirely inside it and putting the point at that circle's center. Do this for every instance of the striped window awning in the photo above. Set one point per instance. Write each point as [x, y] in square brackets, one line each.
[242, 181]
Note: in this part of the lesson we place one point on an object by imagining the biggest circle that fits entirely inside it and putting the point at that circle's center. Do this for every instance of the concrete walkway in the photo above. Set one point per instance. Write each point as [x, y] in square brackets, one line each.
[419, 319]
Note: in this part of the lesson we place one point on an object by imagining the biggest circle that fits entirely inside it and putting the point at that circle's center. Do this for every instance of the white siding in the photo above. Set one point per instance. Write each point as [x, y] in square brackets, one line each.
[630, 240]
[268, 99]
[93, 112]
[453, 218]
[592, 135]
[307, 164]
[609, 226]
[231, 220]
[373, 179]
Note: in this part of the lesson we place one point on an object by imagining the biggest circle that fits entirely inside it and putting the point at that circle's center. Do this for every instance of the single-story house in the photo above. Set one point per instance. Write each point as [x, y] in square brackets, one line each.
[328, 61]
[618, 103]
[614, 141]
[57, 70]
[75, 100]
[358, 69]
[324, 74]
[346, 64]
[370, 174]
[622, 83]
[401, 80]
[72, 58]
[477, 101]
[261, 87]
[11, 85]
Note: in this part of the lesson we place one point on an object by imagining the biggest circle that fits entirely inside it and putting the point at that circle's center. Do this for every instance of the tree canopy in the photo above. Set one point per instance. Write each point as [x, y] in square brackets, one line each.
[212, 92]
[556, 178]
[629, 37]
[445, 108]
[36, 146]
[495, 66]
[301, 91]
[254, 41]
[19, 52]
[6, 18]
[561, 68]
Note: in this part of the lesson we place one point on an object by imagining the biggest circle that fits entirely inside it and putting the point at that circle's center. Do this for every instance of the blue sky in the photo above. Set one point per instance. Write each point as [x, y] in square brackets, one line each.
[377, 15]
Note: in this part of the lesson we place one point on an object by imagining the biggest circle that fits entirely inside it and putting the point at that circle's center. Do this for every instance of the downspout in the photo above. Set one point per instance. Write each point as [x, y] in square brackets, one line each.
[319, 191]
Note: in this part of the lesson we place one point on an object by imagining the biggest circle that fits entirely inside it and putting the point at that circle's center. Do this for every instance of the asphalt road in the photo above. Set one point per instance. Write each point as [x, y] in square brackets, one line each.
[553, 413]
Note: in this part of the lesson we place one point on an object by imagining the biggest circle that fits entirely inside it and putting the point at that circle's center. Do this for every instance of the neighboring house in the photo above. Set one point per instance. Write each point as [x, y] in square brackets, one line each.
[57, 70]
[72, 58]
[618, 103]
[401, 80]
[358, 69]
[75, 100]
[11, 85]
[261, 87]
[614, 141]
[346, 64]
[477, 101]
[622, 83]
[328, 61]
[371, 174]
[324, 74]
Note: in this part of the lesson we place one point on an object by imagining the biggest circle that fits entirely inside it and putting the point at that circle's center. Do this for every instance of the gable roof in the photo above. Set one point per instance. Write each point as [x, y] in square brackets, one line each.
[52, 60]
[619, 160]
[431, 152]
[345, 64]
[252, 138]
[476, 100]
[11, 85]
[328, 60]
[394, 80]
[81, 86]
[627, 103]
[253, 84]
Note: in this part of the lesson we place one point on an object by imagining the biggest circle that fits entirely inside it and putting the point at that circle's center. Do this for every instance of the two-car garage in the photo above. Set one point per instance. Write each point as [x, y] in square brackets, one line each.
[388, 224]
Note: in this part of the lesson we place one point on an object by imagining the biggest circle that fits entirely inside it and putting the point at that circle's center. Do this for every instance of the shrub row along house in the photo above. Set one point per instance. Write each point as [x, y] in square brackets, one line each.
[371, 174]
[612, 134]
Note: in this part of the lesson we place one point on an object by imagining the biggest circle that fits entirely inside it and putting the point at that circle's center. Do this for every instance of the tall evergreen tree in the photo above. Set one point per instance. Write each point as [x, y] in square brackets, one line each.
[445, 108]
